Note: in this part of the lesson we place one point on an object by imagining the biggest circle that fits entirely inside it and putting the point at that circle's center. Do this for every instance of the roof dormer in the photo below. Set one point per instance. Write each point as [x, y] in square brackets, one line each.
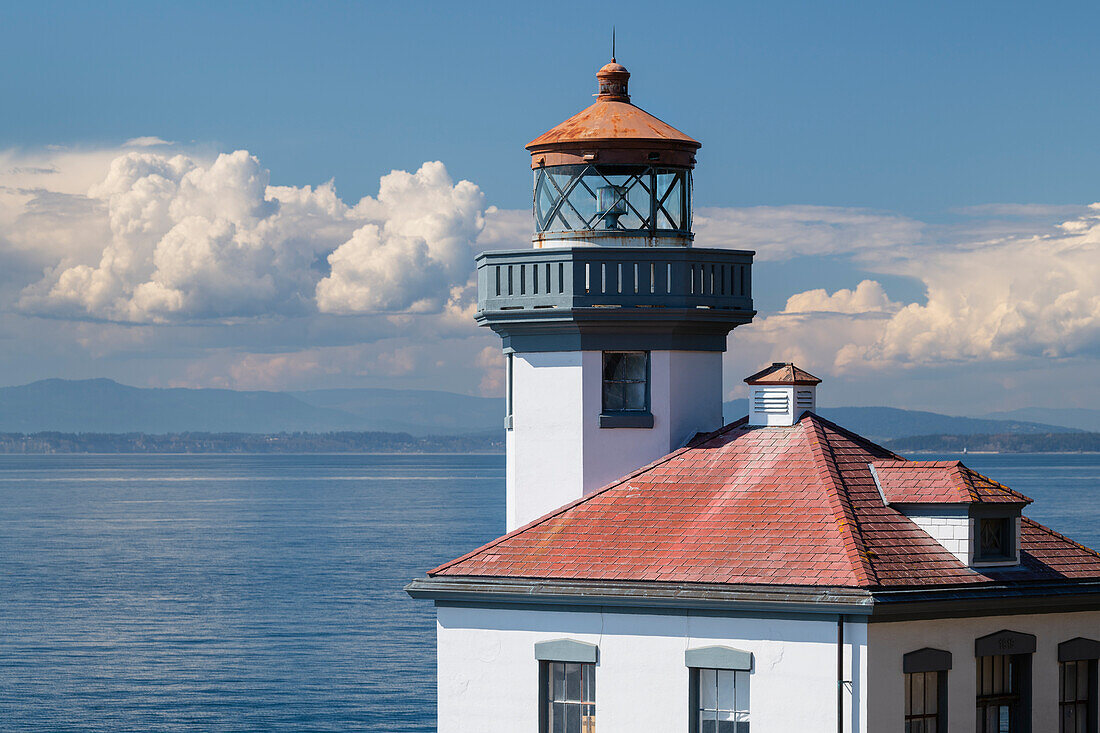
[973, 517]
[780, 394]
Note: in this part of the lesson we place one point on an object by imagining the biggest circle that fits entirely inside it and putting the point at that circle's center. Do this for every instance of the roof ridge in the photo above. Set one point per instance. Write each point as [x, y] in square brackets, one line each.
[998, 484]
[565, 507]
[838, 495]
[856, 437]
[967, 482]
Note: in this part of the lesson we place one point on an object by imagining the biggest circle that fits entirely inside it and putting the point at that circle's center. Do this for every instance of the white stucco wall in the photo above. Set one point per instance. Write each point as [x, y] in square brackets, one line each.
[557, 449]
[888, 642]
[488, 675]
[544, 463]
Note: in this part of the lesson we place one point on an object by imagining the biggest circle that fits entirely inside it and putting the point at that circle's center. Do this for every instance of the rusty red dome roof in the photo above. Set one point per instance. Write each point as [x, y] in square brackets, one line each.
[613, 130]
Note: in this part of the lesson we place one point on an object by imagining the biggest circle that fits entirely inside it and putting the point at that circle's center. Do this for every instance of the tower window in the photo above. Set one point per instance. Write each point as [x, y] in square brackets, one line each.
[625, 381]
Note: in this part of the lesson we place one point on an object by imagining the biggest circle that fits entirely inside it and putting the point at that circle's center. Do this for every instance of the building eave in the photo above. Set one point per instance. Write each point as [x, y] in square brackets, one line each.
[994, 599]
[645, 596]
[878, 606]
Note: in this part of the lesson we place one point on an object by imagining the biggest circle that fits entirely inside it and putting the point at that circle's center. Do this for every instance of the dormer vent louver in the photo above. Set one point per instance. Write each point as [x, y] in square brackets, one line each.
[771, 401]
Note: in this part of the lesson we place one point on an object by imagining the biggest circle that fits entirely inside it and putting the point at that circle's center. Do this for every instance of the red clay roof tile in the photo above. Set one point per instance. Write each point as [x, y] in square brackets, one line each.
[769, 505]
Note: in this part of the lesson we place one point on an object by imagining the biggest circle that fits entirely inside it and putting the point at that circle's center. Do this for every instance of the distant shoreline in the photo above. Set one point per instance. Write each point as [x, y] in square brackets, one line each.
[372, 443]
[486, 443]
[1002, 443]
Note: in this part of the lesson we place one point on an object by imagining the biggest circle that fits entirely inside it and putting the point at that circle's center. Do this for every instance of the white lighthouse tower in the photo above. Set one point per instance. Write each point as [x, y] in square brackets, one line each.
[613, 325]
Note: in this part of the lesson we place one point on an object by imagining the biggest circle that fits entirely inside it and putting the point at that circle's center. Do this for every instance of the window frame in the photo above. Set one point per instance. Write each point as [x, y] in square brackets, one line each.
[1010, 516]
[924, 662]
[1084, 653]
[1017, 649]
[695, 709]
[546, 693]
[626, 418]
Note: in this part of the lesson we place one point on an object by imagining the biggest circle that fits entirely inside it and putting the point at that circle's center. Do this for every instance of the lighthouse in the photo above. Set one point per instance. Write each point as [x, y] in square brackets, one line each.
[613, 325]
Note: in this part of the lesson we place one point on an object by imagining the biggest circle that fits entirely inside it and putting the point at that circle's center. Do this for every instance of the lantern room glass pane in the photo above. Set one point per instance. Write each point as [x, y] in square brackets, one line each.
[625, 198]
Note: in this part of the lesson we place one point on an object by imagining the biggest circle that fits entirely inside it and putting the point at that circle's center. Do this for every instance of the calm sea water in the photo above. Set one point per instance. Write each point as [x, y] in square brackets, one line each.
[238, 593]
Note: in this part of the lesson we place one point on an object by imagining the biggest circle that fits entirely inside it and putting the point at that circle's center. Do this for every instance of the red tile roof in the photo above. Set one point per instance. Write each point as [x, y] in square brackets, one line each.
[940, 482]
[778, 505]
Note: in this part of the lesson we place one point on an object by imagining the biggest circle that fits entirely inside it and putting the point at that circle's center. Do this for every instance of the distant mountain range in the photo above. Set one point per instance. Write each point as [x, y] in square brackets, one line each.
[105, 406]
[1073, 417]
[886, 423]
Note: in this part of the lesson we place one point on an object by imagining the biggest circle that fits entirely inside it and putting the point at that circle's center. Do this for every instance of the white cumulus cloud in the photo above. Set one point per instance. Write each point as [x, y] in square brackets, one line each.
[184, 238]
[1006, 299]
[418, 245]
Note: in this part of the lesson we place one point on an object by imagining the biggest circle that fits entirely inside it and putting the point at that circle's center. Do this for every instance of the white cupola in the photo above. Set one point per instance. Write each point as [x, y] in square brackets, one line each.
[780, 393]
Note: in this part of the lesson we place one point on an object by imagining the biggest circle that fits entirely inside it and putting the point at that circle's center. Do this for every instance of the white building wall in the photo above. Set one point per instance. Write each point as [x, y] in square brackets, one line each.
[557, 449]
[545, 446]
[951, 528]
[888, 642]
[488, 675]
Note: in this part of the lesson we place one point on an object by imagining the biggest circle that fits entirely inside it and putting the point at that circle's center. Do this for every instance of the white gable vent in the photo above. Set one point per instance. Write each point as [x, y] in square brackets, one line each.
[779, 394]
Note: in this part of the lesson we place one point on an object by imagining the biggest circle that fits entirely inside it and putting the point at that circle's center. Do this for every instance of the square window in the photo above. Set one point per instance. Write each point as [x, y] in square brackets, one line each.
[625, 381]
[995, 540]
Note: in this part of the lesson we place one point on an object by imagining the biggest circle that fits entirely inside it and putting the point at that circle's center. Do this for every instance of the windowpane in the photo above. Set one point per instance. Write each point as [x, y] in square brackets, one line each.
[741, 693]
[918, 694]
[725, 689]
[612, 366]
[930, 692]
[635, 396]
[1071, 679]
[573, 682]
[614, 396]
[557, 713]
[909, 694]
[573, 719]
[557, 688]
[635, 366]
[1083, 681]
[708, 689]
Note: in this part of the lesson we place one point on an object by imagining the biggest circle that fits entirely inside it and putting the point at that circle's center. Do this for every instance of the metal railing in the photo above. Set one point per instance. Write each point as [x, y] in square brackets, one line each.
[597, 277]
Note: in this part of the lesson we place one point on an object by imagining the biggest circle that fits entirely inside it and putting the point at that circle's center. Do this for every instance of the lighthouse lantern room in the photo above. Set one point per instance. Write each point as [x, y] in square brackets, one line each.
[613, 324]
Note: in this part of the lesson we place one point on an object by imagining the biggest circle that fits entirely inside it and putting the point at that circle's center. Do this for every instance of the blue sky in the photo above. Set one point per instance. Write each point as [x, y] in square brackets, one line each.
[911, 107]
[921, 132]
